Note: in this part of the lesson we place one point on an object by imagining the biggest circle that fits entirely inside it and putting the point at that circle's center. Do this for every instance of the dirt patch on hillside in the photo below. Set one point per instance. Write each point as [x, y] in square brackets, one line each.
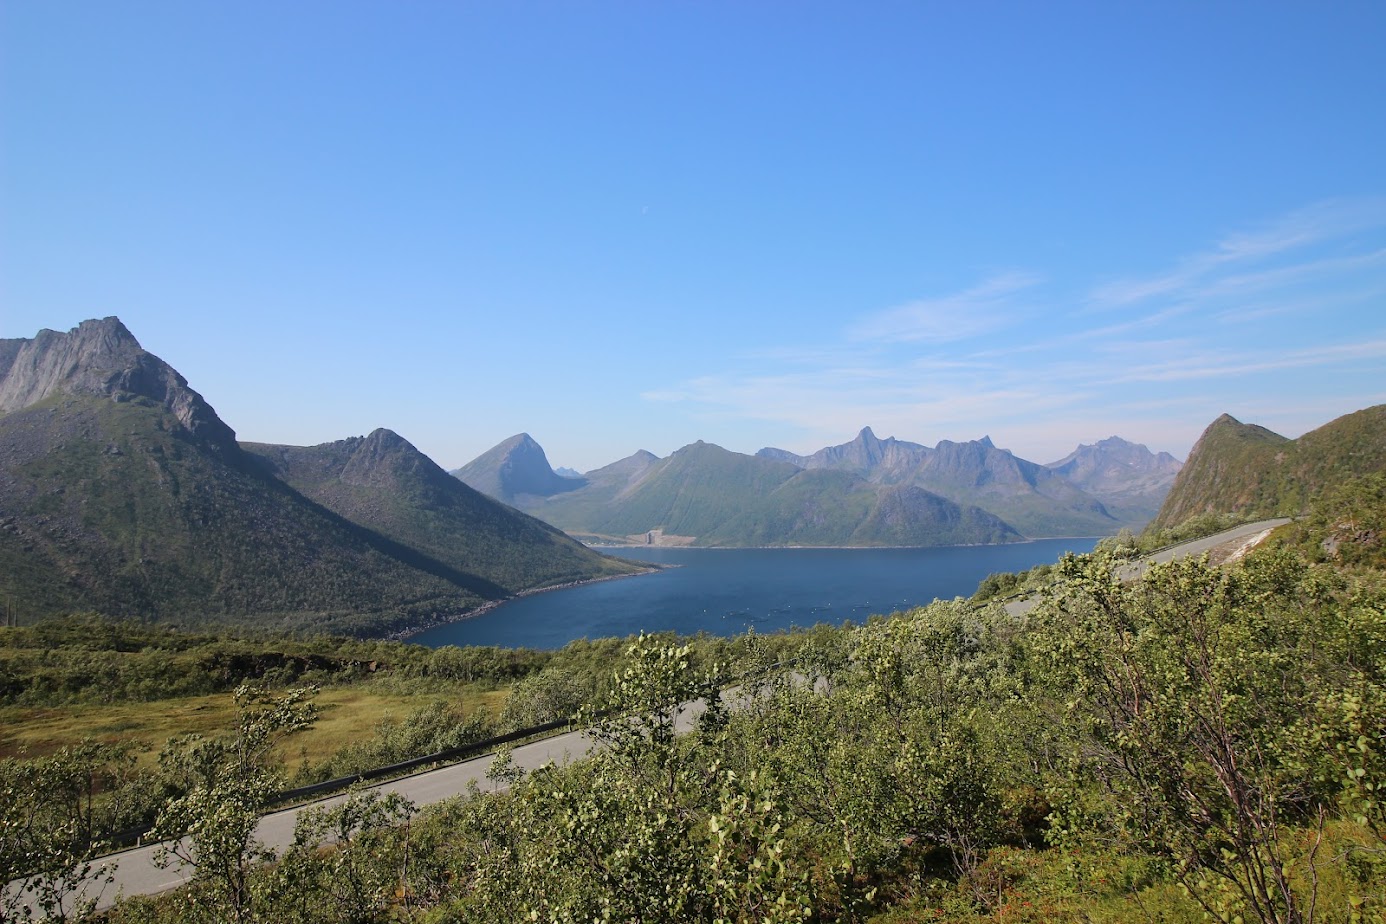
[1237, 549]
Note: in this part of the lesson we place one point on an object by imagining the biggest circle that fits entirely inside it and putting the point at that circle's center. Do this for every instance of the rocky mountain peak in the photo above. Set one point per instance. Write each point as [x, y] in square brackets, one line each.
[382, 456]
[101, 358]
[1114, 453]
[1127, 477]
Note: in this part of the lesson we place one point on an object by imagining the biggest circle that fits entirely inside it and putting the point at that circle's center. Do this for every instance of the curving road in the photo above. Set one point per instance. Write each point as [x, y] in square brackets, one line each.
[1238, 537]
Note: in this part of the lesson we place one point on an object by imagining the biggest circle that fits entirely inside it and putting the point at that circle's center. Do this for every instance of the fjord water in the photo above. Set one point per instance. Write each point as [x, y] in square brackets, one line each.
[727, 591]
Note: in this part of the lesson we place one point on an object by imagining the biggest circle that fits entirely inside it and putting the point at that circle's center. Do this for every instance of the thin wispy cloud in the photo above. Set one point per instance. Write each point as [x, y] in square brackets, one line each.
[1244, 284]
[1245, 313]
[950, 318]
[1213, 366]
[1303, 228]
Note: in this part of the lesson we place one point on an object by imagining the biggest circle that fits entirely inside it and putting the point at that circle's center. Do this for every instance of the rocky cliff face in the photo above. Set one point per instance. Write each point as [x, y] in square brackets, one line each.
[103, 359]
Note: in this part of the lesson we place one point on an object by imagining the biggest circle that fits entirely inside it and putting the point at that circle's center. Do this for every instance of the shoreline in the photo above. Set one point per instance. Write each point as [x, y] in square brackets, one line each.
[404, 635]
[844, 548]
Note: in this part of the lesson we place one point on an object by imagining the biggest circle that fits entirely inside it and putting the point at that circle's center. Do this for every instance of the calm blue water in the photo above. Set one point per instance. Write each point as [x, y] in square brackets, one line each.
[727, 591]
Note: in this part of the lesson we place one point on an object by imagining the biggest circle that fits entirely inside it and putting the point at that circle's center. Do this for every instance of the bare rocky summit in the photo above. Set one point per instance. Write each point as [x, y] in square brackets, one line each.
[101, 358]
[1126, 477]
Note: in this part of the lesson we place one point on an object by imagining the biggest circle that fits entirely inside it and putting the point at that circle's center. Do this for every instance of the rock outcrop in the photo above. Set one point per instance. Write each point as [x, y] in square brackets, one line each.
[101, 358]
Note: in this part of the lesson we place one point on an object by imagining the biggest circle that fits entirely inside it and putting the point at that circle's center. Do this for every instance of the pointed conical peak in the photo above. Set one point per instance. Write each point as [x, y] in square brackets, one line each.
[523, 450]
[1227, 425]
[634, 463]
[698, 446]
[381, 443]
[100, 358]
[518, 441]
[517, 465]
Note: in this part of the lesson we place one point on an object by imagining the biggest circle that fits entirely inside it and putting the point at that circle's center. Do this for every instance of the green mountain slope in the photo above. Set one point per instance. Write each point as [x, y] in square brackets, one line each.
[114, 507]
[1249, 470]
[695, 492]
[383, 483]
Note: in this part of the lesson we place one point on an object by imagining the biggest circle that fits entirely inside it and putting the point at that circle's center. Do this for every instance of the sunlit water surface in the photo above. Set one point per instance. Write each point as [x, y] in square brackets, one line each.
[727, 591]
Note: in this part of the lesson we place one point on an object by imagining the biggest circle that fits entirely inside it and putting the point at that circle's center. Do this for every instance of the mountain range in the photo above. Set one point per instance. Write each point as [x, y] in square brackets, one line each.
[869, 491]
[122, 491]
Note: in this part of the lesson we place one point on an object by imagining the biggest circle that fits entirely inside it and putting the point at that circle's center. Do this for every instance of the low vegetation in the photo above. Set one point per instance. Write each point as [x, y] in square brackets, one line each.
[1202, 744]
[1125, 544]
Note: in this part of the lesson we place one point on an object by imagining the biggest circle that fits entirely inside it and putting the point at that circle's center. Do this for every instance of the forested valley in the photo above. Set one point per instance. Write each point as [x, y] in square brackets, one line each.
[1203, 743]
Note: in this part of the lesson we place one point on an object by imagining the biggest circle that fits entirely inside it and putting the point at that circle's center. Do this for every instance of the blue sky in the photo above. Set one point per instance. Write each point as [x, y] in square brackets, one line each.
[620, 226]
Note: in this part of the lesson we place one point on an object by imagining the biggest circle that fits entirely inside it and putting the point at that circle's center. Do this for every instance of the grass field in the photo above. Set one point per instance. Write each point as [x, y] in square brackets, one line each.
[345, 715]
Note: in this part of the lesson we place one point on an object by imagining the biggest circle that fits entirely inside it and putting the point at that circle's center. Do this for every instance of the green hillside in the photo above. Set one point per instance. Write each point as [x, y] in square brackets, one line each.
[720, 498]
[1199, 743]
[383, 483]
[112, 506]
[1249, 470]
[696, 492]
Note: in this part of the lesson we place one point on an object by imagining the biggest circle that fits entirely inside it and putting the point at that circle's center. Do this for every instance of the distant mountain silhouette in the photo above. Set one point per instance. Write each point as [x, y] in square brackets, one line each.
[1033, 499]
[1129, 479]
[705, 495]
[514, 467]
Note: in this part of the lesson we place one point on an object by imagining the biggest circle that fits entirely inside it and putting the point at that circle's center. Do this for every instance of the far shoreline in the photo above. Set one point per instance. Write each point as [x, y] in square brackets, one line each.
[404, 635]
[843, 548]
